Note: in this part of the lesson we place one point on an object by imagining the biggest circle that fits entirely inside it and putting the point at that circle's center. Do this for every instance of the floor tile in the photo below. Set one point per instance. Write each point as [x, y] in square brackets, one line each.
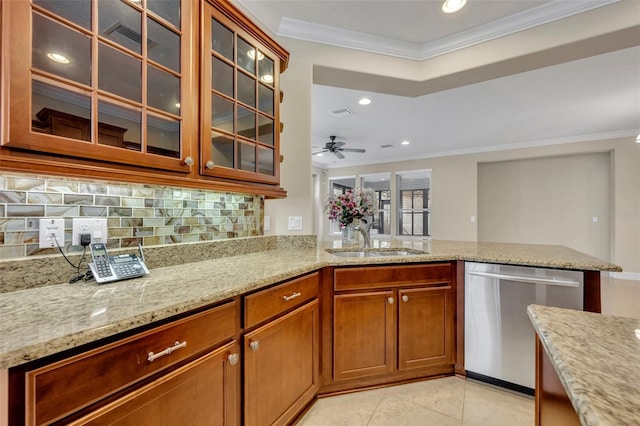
[444, 395]
[486, 405]
[397, 411]
[352, 409]
[449, 401]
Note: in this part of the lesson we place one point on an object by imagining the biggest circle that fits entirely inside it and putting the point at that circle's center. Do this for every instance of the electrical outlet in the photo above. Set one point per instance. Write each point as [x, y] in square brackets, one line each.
[49, 228]
[96, 227]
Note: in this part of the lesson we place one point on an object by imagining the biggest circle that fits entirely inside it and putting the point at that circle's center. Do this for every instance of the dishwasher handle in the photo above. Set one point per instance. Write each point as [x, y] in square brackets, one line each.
[533, 280]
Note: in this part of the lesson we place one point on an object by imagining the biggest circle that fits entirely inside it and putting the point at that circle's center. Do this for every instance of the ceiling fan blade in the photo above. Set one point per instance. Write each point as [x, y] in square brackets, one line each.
[337, 144]
[320, 152]
[338, 154]
[353, 150]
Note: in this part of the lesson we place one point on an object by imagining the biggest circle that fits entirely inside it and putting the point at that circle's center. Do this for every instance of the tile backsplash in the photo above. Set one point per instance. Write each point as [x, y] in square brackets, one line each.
[136, 213]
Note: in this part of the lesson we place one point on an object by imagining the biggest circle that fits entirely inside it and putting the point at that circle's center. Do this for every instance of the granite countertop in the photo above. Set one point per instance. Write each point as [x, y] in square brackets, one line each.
[36, 322]
[597, 358]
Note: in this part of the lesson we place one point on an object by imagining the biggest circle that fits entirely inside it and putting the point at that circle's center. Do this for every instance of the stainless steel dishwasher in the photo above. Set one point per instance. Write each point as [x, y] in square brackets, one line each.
[499, 340]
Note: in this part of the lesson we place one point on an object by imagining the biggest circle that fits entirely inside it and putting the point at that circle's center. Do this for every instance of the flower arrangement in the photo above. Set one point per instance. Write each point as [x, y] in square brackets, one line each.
[354, 204]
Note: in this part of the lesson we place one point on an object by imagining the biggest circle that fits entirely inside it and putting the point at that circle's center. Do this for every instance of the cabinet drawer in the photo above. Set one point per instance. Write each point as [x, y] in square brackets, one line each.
[261, 306]
[61, 388]
[391, 276]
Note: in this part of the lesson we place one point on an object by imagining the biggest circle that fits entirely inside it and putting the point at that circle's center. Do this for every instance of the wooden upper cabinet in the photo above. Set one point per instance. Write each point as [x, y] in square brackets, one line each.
[240, 97]
[170, 92]
[104, 80]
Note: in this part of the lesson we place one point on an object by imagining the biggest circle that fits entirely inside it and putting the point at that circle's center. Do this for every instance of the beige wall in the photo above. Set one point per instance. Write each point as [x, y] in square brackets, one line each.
[550, 200]
[455, 191]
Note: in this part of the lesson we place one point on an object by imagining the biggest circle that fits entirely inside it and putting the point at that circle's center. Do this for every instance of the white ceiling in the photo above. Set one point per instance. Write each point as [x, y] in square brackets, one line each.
[579, 100]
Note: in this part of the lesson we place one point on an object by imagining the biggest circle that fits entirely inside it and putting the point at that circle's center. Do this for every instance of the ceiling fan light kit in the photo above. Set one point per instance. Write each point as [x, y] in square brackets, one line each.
[336, 148]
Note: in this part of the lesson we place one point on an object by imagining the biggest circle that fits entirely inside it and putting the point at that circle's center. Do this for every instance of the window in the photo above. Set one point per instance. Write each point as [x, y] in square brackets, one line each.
[414, 195]
[381, 184]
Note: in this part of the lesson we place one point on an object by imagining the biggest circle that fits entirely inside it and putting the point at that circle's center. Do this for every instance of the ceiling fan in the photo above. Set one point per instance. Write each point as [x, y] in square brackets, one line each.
[336, 148]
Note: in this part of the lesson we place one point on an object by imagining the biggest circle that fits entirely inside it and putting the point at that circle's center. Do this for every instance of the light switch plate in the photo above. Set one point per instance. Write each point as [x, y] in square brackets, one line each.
[95, 226]
[295, 223]
[267, 223]
[48, 228]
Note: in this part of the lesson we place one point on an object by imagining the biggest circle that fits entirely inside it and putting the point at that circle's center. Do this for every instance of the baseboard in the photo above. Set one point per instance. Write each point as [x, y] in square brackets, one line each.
[630, 276]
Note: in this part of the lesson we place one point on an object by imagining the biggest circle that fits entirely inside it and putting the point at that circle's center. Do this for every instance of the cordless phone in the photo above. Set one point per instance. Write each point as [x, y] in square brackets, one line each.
[107, 268]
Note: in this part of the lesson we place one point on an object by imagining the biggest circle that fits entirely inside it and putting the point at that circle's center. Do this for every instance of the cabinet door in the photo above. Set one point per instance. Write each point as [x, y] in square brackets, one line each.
[281, 367]
[119, 67]
[240, 100]
[364, 334]
[204, 392]
[425, 327]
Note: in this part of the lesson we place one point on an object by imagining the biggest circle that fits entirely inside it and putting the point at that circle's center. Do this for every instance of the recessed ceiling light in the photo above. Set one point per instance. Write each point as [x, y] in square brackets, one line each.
[252, 54]
[451, 6]
[405, 143]
[320, 155]
[364, 101]
[57, 57]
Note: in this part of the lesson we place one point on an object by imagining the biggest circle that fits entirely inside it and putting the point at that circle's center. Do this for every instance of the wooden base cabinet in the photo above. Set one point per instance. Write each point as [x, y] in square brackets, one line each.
[402, 332]
[203, 392]
[425, 327]
[281, 367]
[281, 350]
[364, 334]
[186, 368]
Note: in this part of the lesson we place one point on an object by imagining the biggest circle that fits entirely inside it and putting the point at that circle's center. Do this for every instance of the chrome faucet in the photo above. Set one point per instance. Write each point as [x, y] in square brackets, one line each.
[364, 230]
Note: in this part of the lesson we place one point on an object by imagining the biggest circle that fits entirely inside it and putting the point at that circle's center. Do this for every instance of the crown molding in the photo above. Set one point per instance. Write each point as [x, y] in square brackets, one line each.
[521, 21]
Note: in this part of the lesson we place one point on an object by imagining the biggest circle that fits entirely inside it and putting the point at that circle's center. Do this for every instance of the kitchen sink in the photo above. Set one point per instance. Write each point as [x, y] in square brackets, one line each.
[374, 252]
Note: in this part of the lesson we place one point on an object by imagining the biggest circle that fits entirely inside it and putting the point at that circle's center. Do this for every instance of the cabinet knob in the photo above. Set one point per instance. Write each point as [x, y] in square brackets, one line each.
[390, 300]
[233, 358]
[405, 298]
[210, 164]
[254, 346]
[188, 161]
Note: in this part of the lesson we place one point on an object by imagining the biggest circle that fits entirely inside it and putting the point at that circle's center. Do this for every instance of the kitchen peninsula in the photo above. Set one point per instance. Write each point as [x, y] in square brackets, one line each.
[53, 318]
[50, 320]
[596, 359]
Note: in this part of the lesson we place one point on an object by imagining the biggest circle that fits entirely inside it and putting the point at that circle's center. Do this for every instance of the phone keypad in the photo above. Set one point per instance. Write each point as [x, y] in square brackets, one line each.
[128, 270]
[103, 269]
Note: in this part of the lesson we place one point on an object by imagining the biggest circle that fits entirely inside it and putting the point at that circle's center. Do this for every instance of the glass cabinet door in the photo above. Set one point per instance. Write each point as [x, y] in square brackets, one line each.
[239, 110]
[104, 79]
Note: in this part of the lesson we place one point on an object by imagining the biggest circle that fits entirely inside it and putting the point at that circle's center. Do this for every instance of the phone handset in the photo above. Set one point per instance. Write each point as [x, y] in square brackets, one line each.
[107, 268]
[101, 267]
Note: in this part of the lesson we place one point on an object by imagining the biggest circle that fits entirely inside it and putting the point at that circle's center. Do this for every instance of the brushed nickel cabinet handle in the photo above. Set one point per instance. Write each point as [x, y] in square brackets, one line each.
[254, 346]
[177, 345]
[293, 296]
[390, 300]
[233, 358]
[405, 298]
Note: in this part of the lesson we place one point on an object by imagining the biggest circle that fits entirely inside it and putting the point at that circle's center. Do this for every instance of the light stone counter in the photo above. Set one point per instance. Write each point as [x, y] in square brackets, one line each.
[36, 322]
[597, 358]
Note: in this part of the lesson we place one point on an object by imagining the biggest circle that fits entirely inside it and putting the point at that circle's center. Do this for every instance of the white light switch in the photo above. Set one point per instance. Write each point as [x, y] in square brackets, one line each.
[295, 223]
[595, 219]
[473, 218]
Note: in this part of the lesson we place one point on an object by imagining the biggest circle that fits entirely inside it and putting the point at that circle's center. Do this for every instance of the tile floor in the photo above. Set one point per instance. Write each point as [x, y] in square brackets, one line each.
[449, 401]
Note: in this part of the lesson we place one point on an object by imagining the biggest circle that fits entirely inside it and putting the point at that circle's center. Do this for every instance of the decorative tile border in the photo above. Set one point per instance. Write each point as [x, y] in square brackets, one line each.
[137, 214]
